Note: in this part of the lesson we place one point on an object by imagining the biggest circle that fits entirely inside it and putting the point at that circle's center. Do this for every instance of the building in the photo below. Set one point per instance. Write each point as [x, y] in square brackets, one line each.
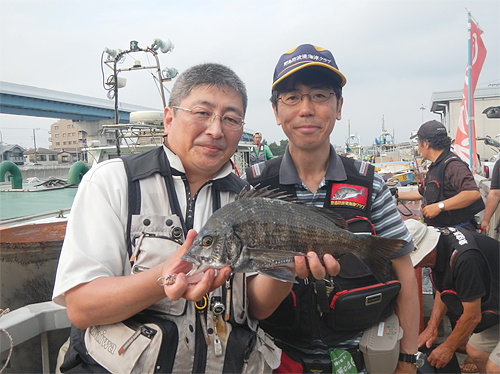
[486, 101]
[12, 152]
[71, 156]
[66, 134]
[42, 156]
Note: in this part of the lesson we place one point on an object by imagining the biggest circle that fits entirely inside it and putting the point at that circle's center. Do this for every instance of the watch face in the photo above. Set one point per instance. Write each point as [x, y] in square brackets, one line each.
[420, 359]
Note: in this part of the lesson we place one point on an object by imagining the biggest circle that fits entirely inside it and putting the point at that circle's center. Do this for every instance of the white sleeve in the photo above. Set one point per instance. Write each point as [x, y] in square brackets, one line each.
[95, 242]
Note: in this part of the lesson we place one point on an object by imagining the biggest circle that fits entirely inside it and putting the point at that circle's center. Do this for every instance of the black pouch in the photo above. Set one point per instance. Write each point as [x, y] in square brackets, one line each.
[360, 308]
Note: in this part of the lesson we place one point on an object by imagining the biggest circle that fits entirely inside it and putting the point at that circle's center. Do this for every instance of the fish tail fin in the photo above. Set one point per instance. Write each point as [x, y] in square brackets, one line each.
[380, 252]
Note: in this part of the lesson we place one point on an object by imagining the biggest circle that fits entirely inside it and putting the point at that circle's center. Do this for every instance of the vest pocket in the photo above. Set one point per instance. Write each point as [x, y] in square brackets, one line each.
[154, 238]
[141, 344]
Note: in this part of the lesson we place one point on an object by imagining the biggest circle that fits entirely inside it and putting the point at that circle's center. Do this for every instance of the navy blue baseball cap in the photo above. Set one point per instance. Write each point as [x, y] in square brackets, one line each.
[303, 56]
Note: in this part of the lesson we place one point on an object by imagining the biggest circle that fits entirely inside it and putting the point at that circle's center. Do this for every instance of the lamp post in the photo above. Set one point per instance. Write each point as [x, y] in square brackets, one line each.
[422, 108]
[1, 146]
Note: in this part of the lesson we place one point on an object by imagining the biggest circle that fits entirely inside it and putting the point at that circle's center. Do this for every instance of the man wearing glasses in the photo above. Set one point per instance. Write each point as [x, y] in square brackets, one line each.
[120, 273]
[307, 102]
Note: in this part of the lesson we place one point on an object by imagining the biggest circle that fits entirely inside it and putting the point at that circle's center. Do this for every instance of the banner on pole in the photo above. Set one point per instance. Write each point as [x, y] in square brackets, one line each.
[464, 140]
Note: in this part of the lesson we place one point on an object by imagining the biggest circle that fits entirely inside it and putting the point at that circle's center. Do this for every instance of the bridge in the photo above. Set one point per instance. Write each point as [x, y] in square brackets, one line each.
[41, 102]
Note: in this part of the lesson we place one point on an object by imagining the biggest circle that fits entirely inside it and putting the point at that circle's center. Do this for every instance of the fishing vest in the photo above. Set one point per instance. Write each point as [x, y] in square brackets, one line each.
[259, 157]
[433, 193]
[458, 241]
[295, 322]
[216, 334]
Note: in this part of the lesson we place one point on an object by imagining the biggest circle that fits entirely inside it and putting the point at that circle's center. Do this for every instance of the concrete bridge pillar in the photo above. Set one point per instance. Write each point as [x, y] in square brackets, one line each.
[95, 131]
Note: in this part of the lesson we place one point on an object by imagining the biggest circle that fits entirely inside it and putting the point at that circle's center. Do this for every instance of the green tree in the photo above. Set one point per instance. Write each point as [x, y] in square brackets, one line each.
[277, 150]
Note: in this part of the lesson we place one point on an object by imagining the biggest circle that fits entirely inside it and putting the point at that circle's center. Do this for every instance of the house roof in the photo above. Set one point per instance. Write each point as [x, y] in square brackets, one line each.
[9, 147]
[40, 151]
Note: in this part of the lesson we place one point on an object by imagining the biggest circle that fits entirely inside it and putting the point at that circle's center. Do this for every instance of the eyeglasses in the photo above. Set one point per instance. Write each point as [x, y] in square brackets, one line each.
[316, 96]
[204, 116]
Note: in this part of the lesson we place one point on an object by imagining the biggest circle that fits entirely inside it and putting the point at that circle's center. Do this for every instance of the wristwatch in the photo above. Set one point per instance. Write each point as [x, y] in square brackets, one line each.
[417, 359]
[441, 206]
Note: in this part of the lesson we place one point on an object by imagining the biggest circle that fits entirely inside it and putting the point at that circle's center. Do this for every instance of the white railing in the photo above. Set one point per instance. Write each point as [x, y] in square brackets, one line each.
[29, 321]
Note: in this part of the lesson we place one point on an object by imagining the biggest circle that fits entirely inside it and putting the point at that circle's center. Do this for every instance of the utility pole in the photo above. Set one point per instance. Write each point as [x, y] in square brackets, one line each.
[34, 144]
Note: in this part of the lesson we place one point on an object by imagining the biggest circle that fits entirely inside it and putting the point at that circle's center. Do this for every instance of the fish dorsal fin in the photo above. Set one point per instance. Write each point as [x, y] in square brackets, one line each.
[336, 218]
[265, 192]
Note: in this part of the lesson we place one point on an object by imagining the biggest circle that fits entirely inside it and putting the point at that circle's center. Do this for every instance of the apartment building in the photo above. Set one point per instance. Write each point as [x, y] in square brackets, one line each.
[66, 134]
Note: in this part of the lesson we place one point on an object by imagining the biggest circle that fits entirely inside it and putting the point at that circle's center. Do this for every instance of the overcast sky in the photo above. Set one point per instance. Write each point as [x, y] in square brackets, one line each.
[394, 54]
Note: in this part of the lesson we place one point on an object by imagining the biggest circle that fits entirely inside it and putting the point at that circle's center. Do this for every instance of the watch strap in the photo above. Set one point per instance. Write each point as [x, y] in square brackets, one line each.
[405, 357]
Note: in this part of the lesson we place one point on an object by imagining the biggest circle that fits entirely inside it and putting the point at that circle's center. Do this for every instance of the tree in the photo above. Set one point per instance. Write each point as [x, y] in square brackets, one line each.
[277, 150]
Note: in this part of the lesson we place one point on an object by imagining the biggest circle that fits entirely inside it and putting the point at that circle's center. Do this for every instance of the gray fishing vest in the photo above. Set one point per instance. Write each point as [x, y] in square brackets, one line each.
[255, 158]
[157, 229]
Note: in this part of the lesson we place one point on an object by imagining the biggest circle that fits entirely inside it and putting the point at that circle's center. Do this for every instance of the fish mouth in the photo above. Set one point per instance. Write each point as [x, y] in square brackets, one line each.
[199, 264]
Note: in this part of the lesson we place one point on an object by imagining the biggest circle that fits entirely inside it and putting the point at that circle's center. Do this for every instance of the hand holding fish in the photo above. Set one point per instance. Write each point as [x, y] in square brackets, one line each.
[178, 285]
[317, 269]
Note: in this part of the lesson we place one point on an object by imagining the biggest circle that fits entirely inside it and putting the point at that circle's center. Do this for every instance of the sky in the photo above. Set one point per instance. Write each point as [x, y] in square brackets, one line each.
[394, 54]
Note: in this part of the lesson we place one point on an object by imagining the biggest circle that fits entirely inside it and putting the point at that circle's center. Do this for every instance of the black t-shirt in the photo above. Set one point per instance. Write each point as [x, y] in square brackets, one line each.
[471, 271]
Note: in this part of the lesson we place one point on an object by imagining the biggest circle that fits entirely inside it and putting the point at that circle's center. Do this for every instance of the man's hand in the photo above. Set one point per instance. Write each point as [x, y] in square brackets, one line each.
[182, 287]
[441, 356]
[317, 269]
[431, 211]
[428, 336]
[485, 227]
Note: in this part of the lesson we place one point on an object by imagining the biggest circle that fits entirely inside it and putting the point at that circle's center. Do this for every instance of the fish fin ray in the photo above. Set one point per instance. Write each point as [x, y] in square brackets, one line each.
[279, 273]
[265, 192]
[336, 218]
[382, 250]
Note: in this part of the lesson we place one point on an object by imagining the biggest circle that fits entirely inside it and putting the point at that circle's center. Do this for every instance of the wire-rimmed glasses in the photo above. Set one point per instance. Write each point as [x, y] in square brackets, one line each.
[316, 96]
[204, 116]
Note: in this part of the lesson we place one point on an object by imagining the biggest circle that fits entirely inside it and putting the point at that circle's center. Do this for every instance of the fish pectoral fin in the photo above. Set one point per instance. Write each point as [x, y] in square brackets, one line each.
[270, 254]
[280, 273]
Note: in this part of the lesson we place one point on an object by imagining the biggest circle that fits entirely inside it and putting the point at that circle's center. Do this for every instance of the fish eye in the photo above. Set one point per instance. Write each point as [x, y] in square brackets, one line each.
[207, 241]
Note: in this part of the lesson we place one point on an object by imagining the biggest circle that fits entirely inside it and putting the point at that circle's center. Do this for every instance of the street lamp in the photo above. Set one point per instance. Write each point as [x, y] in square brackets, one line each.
[422, 108]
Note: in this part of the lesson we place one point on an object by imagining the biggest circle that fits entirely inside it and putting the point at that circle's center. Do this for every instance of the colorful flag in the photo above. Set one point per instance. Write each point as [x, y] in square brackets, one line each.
[465, 142]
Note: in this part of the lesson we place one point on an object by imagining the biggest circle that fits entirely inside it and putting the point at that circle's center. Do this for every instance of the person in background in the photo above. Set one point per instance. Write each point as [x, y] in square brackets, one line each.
[133, 219]
[449, 194]
[307, 102]
[465, 274]
[259, 152]
[492, 200]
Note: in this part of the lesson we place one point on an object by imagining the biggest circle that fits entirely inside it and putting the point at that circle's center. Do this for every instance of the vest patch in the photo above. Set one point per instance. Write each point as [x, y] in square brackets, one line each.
[349, 195]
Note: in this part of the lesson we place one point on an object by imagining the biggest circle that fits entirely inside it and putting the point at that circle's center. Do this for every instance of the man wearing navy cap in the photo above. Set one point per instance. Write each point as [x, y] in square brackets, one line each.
[307, 102]
[450, 194]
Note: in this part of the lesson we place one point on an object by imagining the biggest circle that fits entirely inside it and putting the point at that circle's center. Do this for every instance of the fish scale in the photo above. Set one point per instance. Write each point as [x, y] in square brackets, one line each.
[263, 233]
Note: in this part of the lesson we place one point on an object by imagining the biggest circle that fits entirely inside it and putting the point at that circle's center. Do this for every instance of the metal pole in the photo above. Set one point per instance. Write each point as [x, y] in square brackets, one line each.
[34, 143]
[469, 79]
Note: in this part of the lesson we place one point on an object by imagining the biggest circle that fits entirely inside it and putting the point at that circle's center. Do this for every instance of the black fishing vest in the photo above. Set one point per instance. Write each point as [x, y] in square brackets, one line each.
[297, 321]
[456, 242]
[433, 193]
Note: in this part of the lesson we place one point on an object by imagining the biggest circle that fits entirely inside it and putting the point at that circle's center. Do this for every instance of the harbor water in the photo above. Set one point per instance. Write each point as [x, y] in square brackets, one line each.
[24, 203]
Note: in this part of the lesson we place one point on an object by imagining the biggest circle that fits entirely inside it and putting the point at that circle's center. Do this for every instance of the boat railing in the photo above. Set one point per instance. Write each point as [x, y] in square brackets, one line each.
[59, 214]
[32, 320]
